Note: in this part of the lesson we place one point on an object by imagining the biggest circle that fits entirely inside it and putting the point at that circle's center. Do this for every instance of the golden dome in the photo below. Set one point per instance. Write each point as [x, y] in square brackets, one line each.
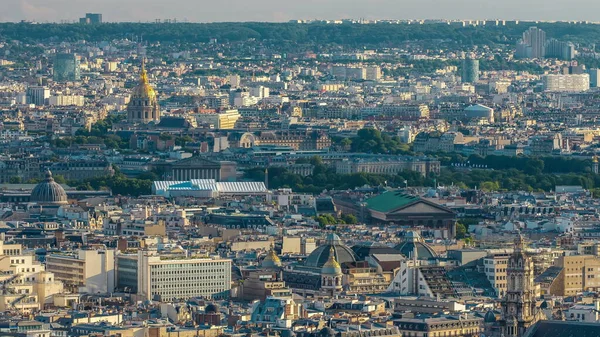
[331, 266]
[271, 260]
[143, 89]
[595, 159]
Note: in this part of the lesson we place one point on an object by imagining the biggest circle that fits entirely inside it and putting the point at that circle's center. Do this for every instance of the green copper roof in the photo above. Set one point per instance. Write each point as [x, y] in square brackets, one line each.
[390, 200]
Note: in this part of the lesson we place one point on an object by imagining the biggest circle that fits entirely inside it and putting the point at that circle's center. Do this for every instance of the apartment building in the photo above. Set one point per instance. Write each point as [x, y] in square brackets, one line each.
[26, 285]
[85, 271]
[495, 270]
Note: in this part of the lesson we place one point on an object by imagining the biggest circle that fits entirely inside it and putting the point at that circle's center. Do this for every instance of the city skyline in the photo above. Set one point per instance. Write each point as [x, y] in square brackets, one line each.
[276, 11]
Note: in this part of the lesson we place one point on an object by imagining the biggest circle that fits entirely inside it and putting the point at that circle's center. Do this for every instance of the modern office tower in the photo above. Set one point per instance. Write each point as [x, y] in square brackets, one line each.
[373, 73]
[66, 68]
[339, 72]
[594, 77]
[259, 91]
[143, 107]
[85, 271]
[66, 100]
[560, 50]
[91, 18]
[356, 73]
[172, 278]
[37, 95]
[532, 45]
[223, 120]
[571, 83]
[217, 101]
[470, 70]
[234, 80]
[577, 69]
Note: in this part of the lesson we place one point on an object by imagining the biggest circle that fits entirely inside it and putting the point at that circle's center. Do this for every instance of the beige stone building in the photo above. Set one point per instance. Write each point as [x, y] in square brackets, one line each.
[573, 275]
[26, 285]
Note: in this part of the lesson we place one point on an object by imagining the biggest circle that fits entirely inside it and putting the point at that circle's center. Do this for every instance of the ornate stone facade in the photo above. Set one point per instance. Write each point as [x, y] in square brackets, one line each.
[519, 308]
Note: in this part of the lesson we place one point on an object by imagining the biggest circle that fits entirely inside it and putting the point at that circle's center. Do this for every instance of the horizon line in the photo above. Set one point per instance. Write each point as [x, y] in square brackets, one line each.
[482, 22]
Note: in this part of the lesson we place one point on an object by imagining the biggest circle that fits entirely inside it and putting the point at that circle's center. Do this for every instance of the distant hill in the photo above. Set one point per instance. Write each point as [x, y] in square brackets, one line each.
[368, 35]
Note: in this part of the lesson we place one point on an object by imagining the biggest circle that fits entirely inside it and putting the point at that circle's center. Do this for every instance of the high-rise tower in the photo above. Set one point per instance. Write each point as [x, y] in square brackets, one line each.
[66, 68]
[519, 309]
[470, 70]
[143, 106]
[532, 45]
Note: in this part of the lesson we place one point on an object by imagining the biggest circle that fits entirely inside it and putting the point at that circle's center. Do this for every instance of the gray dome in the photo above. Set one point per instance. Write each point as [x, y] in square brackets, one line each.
[489, 317]
[327, 332]
[211, 309]
[49, 192]
[364, 249]
[287, 333]
[412, 242]
[319, 256]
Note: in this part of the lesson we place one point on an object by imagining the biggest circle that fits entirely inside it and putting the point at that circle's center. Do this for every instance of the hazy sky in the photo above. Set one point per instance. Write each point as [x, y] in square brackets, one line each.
[283, 10]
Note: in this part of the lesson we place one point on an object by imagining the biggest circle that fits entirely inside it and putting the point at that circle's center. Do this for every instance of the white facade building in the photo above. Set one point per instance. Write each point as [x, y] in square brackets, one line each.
[173, 278]
[66, 100]
[573, 82]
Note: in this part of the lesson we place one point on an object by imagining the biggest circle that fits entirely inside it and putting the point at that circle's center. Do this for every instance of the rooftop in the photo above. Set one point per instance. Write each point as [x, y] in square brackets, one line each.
[390, 200]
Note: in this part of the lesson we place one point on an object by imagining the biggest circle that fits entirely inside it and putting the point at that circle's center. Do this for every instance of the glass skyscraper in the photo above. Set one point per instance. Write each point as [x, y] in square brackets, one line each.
[470, 70]
[66, 68]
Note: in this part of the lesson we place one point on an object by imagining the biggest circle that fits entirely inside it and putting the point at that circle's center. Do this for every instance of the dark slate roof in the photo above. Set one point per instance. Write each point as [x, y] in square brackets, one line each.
[325, 205]
[390, 201]
[549, 274]
[424, 251]
[173, 122]
[563, 329]
[364, 249]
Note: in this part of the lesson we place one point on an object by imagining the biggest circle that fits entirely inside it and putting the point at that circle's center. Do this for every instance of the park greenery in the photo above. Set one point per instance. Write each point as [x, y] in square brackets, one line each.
[503, 174]
[373, 141]
[119, 184]
[325, 220]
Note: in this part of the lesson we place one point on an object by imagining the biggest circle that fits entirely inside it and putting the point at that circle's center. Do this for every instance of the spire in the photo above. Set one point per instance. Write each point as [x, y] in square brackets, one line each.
[267, 178]
[144, 74]
[519, 243]
[49, 175]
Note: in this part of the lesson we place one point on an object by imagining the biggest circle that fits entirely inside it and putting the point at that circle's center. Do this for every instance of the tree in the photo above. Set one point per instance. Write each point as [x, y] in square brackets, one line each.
[15, 180]
[349, 219]
[326, 220]
[59, 179]
[489, 186]
[461, 231]
[165, 136]
[181, 141]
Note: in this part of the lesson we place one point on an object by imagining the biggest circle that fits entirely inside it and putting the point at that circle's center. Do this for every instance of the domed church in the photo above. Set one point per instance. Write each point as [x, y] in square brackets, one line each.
[49, 192]
[48, 196]
[333, 245]
[143, 106]
[333, 268]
